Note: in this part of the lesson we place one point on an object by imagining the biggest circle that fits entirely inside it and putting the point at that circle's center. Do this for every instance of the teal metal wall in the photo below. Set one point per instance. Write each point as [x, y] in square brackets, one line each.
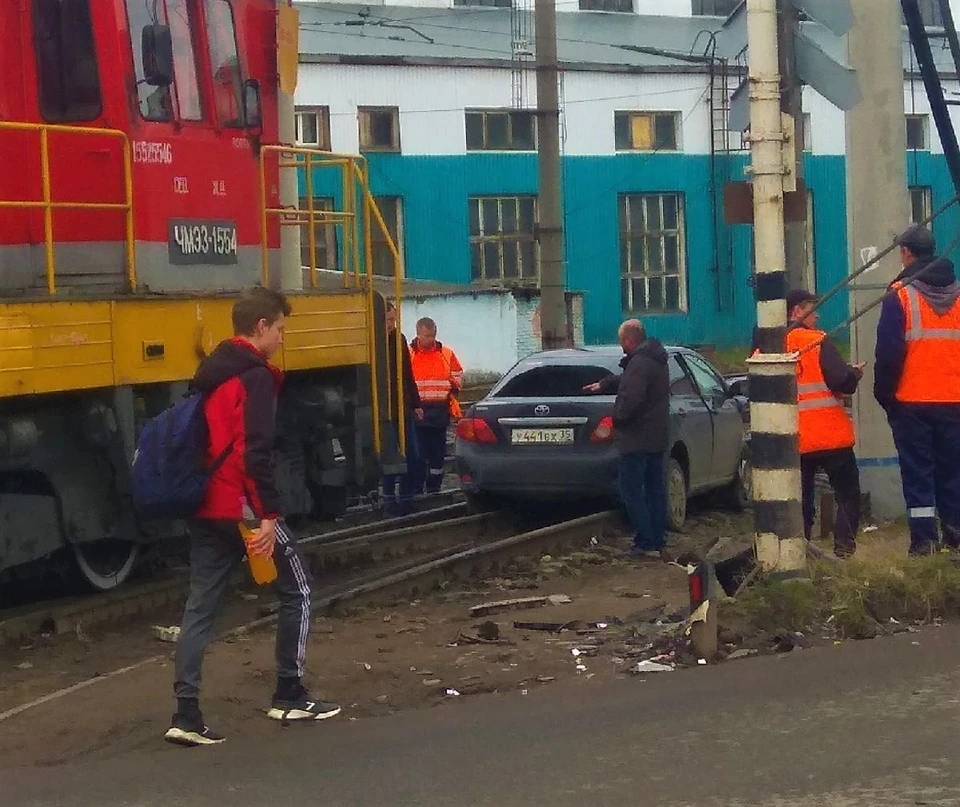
[435, 190]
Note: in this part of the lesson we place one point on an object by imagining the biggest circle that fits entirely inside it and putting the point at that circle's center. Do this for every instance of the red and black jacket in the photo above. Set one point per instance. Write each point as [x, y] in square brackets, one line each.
[241, 406]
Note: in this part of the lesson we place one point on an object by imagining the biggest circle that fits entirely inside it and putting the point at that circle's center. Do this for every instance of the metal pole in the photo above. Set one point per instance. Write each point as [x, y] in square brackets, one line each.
[950, 28]
[778, 524]
[931, 80]
[877, 210]
[290, 276]
[549, 228]
[799, 270]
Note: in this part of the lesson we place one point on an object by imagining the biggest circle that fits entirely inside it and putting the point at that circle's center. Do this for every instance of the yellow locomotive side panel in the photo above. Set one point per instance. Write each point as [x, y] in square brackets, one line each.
[52, 347]
[327, 331]
[63, 346]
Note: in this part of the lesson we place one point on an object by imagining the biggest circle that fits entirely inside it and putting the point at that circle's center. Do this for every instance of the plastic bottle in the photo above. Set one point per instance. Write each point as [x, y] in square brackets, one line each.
[262, 567]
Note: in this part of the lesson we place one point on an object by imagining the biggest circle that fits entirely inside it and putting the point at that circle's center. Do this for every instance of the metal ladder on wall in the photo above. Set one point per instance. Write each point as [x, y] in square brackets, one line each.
[721, 168]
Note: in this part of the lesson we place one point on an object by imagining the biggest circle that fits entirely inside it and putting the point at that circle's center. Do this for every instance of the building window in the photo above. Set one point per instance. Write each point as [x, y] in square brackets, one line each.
[646, 131]
[391, 209]
[501, 130]
[313, 127]
[921, 203]
[379, 128]
[918, 133]
[67, 72]
[652, 254]
[225, 63]
[491, 3]
[714, 8]
[502, 244]
[607, 5]
[325, 245]
[807, 132]
[930, 13]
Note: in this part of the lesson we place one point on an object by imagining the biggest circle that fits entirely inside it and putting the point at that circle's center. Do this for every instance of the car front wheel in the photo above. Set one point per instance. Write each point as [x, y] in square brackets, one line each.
[676, 483]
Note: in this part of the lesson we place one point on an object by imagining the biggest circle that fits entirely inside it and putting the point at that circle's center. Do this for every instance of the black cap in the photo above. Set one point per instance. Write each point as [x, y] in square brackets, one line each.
[919, 240]
[799, 297]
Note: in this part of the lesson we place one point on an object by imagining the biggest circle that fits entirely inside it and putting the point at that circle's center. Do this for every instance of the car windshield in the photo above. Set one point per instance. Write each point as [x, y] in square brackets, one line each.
[550, 381]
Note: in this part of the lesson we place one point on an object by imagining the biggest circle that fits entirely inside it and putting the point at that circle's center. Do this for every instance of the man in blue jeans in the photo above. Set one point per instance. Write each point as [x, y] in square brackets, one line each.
[641, 422]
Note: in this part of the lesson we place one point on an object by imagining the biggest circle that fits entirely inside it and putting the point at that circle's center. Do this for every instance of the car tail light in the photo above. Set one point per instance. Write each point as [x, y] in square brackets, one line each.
[604, 431]
[475, 430]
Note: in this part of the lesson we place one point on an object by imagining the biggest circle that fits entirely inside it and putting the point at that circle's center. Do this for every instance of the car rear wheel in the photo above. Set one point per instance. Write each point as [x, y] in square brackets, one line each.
[676, 484]
[479, 502]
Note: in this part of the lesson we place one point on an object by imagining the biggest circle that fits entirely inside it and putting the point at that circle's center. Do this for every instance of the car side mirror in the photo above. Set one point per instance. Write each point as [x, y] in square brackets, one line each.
[156, 53]
[252, 108]
[738, 388]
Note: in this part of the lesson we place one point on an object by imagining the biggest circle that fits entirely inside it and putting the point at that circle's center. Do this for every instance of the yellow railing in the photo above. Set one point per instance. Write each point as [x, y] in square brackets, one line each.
[356, 219]
[48, 205]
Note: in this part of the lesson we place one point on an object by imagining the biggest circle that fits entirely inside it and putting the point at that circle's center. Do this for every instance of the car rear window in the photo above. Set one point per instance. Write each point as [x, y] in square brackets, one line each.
[553, 381]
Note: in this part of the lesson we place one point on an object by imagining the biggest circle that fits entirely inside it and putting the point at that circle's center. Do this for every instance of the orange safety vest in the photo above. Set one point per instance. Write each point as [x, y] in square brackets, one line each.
[439, 376]
[931, 369]
[824, 421]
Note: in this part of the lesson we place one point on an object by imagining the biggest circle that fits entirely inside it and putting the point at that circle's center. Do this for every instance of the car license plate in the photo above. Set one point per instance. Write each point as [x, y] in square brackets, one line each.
[541, 436]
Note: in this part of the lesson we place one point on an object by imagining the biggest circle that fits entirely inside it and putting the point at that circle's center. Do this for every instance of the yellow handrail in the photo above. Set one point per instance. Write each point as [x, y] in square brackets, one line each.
[49, 206]
[355, 220]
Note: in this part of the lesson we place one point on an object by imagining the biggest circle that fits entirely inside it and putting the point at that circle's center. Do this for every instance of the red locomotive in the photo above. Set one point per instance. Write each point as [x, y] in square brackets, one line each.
[139, 191]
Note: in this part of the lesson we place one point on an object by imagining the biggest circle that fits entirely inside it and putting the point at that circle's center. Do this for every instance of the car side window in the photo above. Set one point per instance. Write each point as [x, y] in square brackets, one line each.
[680, 383]
[709, 382]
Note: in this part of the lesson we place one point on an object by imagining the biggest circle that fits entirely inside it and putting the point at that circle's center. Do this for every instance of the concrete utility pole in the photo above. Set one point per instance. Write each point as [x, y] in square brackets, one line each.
[780, 543]
[877, 210]
[290, 276]
[799, 274]
[553, 305]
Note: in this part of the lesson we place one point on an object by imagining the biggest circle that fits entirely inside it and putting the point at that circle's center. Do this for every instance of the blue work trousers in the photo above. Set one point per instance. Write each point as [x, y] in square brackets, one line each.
[927, 437]
[407, 481]
[644, 494]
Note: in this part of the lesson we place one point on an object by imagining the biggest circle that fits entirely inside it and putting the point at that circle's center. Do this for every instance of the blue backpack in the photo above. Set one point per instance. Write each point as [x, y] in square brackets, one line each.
[170, 471]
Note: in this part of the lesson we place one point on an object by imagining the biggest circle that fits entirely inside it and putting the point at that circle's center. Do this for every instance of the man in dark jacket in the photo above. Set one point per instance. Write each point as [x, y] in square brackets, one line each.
[241, 389]
[917, 382]
[641, 423]
[412, 412]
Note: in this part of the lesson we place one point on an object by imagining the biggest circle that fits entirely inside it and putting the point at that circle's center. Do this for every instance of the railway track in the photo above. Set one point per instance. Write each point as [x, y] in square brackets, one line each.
[411, 554]
[60, 615]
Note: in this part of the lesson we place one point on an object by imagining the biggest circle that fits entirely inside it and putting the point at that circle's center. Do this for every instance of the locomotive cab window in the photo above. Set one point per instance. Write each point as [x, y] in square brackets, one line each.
[181, 100]
[69, 79]
[225, 63]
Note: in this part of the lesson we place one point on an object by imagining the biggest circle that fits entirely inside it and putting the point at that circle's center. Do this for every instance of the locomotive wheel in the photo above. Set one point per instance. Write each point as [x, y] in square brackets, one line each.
[104, 565]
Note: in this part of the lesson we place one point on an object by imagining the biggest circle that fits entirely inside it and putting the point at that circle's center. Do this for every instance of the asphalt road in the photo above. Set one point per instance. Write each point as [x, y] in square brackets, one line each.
[872, 723]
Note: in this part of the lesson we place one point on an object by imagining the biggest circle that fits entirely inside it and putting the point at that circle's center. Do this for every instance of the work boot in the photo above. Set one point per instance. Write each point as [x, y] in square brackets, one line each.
[921, 550]
[844, 550]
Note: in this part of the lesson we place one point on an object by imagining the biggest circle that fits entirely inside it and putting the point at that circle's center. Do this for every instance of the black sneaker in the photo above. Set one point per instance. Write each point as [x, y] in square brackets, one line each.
[191, 731]
[301, 707]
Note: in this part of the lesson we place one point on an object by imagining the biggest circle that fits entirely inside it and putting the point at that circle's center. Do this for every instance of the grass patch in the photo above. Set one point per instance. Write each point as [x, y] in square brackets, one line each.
[856, 599]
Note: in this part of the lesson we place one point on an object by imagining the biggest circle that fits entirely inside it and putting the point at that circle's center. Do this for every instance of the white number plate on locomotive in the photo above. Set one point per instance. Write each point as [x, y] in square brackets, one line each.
[193, 242]
[541, 436]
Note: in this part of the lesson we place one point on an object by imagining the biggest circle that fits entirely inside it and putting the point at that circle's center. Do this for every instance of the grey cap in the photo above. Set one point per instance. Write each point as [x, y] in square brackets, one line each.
[919, 240]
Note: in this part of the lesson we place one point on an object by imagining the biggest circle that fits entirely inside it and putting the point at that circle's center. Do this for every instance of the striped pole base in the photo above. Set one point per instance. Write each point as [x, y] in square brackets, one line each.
[775, 464]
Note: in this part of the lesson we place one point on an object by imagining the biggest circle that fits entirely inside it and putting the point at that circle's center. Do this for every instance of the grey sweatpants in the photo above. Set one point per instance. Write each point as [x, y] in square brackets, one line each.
[216, 550]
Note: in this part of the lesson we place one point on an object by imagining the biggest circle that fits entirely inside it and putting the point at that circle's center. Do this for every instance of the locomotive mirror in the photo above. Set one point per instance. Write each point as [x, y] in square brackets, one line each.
[157, 55]
[252, 113]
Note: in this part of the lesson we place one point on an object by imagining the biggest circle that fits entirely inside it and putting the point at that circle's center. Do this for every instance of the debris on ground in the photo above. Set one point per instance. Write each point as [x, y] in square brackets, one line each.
[170, 635]
[642, 667]
[489, 608]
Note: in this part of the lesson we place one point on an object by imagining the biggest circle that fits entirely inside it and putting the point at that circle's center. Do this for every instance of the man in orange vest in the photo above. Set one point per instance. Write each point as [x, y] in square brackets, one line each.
[439, 378]
[826, 428]
[917, 382]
